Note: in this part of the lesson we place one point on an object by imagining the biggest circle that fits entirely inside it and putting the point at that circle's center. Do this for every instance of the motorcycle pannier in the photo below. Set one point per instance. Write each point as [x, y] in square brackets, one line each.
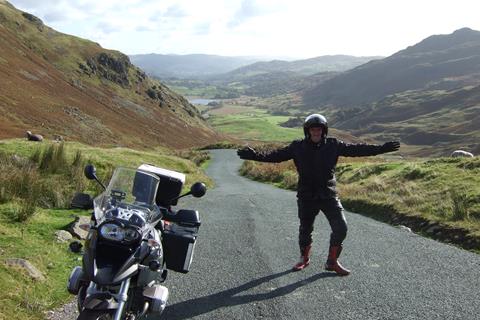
[171, 183]
[178, 245]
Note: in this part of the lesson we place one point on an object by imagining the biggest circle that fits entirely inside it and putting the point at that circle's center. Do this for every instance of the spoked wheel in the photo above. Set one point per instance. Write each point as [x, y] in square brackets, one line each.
[95, 315]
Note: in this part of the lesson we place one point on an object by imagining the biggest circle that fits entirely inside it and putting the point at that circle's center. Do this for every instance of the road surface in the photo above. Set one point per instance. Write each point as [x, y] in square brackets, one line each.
[248, 243]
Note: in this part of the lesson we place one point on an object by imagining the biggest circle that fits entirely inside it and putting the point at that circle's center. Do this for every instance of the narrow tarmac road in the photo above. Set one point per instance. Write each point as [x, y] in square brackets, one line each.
[248, 243]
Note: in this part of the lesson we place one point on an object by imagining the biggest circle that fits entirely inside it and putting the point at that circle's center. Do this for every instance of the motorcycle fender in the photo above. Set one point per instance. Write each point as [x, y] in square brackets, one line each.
[89, 267]
[100, 301]
[131, 265]
[124, 274]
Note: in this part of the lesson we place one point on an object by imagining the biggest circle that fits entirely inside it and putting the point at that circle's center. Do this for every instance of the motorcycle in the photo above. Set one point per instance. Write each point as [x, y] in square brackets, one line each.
[134, 238]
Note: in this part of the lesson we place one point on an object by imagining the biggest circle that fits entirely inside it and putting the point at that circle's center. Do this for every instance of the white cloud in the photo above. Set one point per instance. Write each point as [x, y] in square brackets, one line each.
[300, 28]
[175, 11]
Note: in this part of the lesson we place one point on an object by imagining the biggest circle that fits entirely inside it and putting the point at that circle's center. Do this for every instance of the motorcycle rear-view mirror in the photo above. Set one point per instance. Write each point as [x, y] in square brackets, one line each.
[91, 173]
[198, 189]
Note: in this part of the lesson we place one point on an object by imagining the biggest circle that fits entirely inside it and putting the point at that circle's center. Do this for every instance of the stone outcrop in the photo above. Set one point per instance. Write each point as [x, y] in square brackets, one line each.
[63, 236]
[25, 265]
[75, 230]
[108, 66]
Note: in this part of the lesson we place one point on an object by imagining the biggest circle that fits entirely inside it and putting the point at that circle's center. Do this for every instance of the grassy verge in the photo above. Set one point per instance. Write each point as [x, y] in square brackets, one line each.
[37, 182]
[22, 297]
[443, 191]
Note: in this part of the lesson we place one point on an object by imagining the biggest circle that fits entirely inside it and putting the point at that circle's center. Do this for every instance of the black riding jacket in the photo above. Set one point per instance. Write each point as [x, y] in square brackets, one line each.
[316, 163]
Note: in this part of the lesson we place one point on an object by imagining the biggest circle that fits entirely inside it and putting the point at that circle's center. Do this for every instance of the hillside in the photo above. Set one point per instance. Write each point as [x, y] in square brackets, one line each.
[333, 63]
[438, 62]
[187, 66]
[55, 84]
[436, 121]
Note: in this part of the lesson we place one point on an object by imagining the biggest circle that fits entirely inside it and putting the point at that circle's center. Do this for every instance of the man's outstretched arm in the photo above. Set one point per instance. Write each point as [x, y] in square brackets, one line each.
[364, 150]
[278, 155]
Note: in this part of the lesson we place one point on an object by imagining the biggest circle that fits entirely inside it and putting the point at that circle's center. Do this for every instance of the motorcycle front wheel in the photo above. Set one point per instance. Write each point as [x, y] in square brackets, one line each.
[95, 315]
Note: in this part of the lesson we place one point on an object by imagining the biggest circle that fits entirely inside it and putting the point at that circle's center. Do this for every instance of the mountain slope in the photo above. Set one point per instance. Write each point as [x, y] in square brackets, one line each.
[436, 121]
[52, 83]
[438, 62]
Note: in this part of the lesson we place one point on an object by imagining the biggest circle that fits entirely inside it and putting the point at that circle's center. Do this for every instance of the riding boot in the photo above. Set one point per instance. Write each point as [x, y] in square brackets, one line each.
[332, 261]
[304, 258]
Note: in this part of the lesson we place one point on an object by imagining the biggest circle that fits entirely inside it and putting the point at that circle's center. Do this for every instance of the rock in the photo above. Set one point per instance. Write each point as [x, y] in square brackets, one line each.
[405, 228]
[82, 201]
[76, 247]
[433, 229]
[63, 236]
[33, 272]
[75, 229]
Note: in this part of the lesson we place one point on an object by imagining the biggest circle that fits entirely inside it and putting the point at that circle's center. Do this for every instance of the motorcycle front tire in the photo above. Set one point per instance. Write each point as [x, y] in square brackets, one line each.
[95, 315]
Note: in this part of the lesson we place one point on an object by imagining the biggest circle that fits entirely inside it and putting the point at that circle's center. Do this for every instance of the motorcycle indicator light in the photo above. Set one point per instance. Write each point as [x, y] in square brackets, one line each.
[114, 232]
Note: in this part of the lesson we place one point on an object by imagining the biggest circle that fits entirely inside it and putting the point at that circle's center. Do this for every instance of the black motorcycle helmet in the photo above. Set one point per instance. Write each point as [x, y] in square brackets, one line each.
[315, 120]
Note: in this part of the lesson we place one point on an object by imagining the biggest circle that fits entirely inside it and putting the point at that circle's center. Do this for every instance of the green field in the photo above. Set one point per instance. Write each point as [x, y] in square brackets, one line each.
[248, 123]
[25, 177]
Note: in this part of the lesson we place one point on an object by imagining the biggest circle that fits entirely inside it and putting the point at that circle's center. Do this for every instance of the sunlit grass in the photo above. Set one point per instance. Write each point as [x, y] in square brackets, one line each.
[253, 124]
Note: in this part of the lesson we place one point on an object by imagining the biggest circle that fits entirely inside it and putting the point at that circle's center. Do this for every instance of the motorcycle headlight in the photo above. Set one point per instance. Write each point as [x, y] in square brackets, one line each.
[115, 232]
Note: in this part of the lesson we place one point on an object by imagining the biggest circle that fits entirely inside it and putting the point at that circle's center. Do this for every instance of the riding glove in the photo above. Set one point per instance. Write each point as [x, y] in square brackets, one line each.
[247, 153]
[391, 146]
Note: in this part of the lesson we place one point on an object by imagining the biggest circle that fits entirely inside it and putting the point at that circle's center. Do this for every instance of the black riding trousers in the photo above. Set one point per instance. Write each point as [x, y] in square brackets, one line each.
[308, 209]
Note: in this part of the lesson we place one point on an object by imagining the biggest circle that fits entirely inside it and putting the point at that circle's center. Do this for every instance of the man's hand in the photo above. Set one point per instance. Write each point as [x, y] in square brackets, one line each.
[390, 146]
[247, 153]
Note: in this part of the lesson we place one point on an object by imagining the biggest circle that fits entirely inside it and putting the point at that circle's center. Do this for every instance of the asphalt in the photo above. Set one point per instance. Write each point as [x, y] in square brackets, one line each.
[248, 242]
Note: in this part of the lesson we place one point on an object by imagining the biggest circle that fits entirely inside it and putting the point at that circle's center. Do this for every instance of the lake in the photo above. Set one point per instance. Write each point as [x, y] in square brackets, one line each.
[200, 101]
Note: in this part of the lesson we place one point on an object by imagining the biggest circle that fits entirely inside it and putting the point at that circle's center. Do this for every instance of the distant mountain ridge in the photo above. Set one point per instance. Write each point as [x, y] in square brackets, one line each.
[438, 62]
[188, 66]
[276, 77]
[55, 84]
[328, 63]
[222, 67]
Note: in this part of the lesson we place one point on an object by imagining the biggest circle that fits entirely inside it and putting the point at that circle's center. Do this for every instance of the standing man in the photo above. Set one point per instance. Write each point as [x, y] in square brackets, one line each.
[315, 158]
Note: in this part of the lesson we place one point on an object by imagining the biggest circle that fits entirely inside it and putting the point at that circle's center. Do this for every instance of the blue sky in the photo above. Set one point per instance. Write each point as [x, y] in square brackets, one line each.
[274, 28]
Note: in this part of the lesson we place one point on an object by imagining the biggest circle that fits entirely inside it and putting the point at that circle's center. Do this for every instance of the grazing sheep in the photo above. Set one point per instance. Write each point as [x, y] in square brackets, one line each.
[461, 153]
[34, 137]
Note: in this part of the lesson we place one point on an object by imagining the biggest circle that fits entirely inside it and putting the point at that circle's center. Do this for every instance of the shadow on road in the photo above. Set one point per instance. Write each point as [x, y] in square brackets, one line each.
[194, 307]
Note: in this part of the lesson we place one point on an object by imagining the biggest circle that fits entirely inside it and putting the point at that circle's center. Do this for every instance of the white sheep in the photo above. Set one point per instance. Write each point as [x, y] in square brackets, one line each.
[34, 137]
[461, 153]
